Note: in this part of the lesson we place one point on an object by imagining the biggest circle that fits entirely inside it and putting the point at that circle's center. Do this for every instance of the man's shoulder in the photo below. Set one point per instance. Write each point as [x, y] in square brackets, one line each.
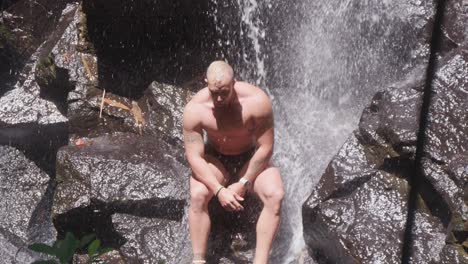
[255, 97]
[199, 99]
[196, 107]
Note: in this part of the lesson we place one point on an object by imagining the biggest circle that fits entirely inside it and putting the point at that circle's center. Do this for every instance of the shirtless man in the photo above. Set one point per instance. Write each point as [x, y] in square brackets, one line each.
[238, 120]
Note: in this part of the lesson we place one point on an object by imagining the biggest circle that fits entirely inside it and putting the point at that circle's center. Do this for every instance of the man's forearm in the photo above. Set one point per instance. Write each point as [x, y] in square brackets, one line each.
[203, 173]
[257, 164]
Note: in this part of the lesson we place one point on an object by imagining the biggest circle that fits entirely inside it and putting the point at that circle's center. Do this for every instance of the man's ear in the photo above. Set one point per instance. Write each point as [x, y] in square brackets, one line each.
[206, 80]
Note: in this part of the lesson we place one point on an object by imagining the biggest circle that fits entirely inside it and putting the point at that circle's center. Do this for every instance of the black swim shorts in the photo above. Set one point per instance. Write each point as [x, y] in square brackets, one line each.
[232, 163]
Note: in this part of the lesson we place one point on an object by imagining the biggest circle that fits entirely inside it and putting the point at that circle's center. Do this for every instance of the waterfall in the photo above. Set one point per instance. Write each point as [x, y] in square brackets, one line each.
[321, 62]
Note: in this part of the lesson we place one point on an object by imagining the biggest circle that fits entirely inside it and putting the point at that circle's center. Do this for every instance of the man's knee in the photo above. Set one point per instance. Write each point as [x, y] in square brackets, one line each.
[274, 200]
[274, 195]
[199, 198]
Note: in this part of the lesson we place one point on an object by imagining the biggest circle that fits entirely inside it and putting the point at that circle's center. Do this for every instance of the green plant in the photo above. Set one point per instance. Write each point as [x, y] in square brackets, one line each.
[6, 37]
[64, 249]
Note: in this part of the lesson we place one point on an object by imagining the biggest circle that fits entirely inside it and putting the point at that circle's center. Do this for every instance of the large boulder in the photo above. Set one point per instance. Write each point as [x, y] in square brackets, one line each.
[120, 170]
[152, 240]
[122, 187]
[163, 105]
[23, 28]
[25, 214]
[358, 210]
[31, 117]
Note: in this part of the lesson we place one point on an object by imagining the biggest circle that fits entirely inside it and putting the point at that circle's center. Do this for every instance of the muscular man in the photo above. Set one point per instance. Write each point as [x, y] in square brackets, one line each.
[238, 121]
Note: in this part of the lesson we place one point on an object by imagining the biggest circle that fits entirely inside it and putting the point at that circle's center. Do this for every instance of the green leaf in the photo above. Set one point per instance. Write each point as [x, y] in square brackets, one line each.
[50, 261]
[57, 244]
[42, 248]
[86, 240]
[93, 247]
[67, 248]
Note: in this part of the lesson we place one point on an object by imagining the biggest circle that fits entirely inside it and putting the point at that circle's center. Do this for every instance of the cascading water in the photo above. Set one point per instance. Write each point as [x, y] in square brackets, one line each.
[320, 61]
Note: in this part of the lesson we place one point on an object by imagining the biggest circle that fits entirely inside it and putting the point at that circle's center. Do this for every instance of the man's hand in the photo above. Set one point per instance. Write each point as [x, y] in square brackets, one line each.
[230, 200]
[238, 188]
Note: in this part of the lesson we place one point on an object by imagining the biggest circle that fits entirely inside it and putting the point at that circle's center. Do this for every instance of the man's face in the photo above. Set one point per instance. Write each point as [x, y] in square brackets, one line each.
[221, 92]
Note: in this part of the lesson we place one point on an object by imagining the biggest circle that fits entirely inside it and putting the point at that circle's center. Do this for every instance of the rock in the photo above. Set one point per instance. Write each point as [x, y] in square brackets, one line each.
[390, 117]
[448, 123]
[122, 171]
[26, 103]
[158, 112]
[112, 257]
[345, 172]
[428, 239]
[232, 236]
[12, 250]
[24, 184]
[454, 31]
[453, 254]
[19, 106]
[447, 132]
[25, 214]
[343, 220]
[32, 119]
[152, 240]
[23, 28]
[163, 107]
[364, 226]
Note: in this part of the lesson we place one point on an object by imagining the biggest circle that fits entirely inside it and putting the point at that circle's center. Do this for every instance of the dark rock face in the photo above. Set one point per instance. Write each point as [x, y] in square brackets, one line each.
[118, 170]
[25, 217]
[357, 213]
[9, 249]
[140, 42]
[129, 189]
[151, 240]
[162, 106]
[23, 28]
[31, 119]
[454, 25]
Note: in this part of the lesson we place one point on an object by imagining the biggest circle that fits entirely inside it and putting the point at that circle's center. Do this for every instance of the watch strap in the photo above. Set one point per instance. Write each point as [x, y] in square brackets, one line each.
[245, 182]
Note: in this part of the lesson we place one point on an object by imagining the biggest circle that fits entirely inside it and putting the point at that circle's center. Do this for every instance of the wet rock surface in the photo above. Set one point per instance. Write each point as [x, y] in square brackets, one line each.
[30, 118]
[151, 240]
[118, 170]
[25, 214]
[162, 106]
[365, 185]
[24, 25]
[232, 237]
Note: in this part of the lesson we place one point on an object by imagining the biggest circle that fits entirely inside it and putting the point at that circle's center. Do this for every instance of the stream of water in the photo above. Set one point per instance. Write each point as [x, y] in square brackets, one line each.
[320, 62]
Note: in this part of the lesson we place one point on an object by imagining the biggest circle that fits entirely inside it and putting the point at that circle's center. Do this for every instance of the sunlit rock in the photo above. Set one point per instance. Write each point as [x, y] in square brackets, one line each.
[25, 214]
[162, 106]
[118, 170]
[345, 225]
[151, 240]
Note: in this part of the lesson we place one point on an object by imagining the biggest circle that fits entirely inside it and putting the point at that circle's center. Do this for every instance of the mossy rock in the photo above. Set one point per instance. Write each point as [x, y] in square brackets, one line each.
[46, 71]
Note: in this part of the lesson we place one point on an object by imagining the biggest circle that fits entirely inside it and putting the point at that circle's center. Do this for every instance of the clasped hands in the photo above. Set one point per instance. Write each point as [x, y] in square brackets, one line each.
[231, 197]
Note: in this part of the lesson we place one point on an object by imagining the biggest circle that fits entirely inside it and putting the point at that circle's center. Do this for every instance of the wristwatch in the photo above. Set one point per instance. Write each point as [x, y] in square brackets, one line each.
[245, 182]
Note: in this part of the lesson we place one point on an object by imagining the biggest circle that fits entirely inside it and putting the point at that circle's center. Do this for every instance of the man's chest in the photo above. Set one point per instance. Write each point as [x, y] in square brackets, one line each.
[240, 124]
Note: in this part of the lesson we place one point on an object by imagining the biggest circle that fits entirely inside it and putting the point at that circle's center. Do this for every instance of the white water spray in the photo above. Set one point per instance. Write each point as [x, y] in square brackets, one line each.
[321, 62]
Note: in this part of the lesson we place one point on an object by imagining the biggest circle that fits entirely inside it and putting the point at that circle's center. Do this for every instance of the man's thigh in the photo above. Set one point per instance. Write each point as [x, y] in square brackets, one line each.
[216, 168]
[268, 183]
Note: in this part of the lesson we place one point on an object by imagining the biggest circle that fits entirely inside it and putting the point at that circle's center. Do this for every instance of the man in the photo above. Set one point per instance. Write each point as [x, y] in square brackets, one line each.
[238, 121]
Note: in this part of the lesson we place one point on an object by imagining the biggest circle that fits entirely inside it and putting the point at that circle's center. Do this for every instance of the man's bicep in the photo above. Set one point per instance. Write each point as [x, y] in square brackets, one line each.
[193, 138]
[265, 130]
